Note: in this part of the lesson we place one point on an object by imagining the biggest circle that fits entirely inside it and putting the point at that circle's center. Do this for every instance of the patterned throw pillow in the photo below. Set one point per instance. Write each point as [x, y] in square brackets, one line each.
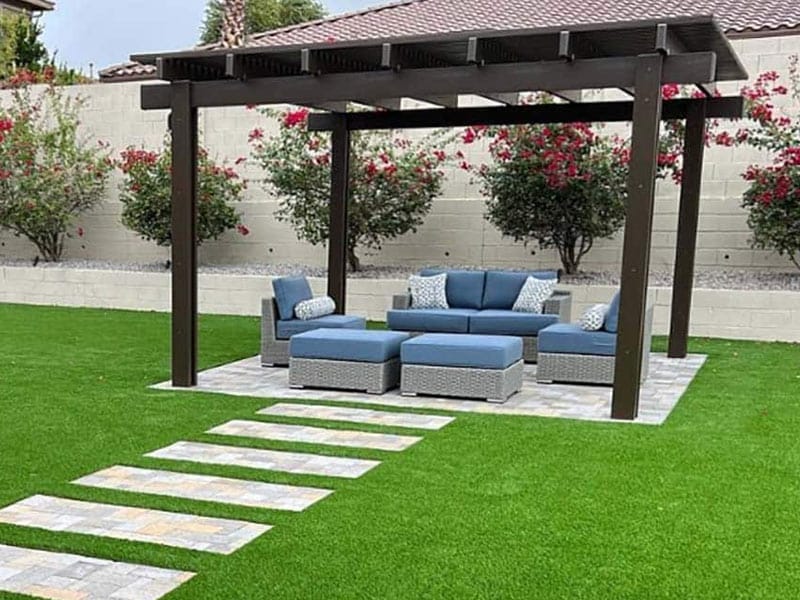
[593, 317]
[314, 308]
[428, 292]
[533, 294]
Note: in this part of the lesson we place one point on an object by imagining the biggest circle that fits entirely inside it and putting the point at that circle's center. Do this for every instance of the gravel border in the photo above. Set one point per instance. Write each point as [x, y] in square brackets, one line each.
[720, 279]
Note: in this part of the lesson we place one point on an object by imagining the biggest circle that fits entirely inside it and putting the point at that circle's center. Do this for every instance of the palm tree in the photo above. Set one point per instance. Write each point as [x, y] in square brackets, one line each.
[233, 23]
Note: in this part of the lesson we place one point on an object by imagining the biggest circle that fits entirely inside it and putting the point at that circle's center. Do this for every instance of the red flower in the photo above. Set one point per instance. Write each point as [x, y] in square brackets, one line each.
[669, 91]
[80, 231]
[242, 229]
[240, 160]
[295, 117]
[256, 134]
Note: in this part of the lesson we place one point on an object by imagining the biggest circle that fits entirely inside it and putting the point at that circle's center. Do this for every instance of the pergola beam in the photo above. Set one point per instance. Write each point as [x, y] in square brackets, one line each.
[439, 81]
[730, 107]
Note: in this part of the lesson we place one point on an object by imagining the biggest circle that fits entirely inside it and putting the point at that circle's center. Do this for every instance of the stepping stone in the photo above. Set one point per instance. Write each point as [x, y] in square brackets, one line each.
[269, 460]
[203, 487]
[220, 536]
[357, 415]
[71, 577]
[316, 435]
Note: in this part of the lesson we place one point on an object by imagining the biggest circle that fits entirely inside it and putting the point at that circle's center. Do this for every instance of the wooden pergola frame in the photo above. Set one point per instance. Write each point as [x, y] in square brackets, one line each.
[637, 57]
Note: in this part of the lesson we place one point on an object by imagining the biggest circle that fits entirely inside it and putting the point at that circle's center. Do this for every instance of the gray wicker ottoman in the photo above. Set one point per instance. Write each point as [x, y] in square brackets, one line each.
[346, 359]
[487, 367]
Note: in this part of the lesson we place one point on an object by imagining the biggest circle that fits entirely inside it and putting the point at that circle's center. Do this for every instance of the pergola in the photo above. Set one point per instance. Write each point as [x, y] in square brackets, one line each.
[636, 57]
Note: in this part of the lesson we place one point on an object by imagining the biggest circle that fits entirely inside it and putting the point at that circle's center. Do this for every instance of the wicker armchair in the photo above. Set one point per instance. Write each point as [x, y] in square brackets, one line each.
[274, 352]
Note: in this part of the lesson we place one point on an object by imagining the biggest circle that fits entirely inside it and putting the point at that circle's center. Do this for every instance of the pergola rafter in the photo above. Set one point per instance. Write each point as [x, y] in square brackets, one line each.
[639, 57]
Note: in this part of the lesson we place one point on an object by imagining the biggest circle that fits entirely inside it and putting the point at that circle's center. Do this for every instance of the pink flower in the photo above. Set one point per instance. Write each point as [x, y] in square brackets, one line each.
[240, 160]
[80, 231]
[242, 229]
[256, 134]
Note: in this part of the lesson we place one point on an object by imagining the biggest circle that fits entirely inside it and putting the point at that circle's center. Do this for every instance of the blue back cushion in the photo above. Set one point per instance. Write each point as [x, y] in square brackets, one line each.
[502, 287]
[464, 288]
[288, 292]
[612, 316]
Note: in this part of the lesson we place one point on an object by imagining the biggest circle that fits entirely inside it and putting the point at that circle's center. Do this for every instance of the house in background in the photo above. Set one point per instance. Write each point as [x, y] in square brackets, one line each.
[29, 7]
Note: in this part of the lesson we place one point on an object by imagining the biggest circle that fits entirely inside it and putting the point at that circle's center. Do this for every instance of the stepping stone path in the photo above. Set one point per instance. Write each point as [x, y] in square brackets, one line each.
[357, 415]
[70, 577]
[221, 536]
[202, 487]
[269, 460]
[58, 576]
[316, 435]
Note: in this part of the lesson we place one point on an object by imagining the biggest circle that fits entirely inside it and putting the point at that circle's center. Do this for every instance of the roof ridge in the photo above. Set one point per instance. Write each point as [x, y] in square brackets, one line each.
[335, 18]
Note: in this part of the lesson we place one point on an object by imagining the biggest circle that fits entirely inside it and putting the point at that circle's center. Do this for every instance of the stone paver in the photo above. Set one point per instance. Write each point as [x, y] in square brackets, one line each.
[60, 576]
[668, 380]
[357, 415]
[316, 435]
[204, 487]
[270, 460]
[221, 536]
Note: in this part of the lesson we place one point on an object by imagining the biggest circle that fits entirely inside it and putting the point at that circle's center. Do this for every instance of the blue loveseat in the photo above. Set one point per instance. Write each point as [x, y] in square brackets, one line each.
[278, 323]
[480, 303]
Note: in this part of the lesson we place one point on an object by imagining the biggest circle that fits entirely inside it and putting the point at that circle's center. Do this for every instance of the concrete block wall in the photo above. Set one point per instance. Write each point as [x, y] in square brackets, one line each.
[740, 314]
[455, 232]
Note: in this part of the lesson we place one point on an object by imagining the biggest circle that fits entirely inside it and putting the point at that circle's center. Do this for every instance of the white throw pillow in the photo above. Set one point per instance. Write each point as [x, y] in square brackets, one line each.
[428, 292]
[593, 317]
[533, 294]
[314, 308]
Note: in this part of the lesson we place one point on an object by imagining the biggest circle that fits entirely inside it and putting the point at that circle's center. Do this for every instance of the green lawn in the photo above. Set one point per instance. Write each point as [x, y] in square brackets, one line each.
[706, 506]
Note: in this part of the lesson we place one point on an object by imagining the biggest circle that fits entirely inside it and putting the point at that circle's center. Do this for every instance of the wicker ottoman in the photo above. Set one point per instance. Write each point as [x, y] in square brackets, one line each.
[346, 359]
[488, 367]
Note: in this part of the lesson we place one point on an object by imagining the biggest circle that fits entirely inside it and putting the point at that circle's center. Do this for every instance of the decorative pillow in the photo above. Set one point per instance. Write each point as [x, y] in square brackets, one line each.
[593, 317]
[315, 308]
[428, 292]
[533, 294]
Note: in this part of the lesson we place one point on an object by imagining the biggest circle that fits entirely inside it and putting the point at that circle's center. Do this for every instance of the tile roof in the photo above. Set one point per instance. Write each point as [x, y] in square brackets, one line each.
[408, 18]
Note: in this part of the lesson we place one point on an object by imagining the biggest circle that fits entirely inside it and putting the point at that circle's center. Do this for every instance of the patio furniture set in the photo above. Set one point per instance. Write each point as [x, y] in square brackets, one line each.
[456, 333]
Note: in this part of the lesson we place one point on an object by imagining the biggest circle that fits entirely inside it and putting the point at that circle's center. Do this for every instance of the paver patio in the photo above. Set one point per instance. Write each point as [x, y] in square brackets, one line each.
[203, 487]
[356, 415]
[667, 382]
[315, 435]
[60, 576]
[269, 460]
[221, 536]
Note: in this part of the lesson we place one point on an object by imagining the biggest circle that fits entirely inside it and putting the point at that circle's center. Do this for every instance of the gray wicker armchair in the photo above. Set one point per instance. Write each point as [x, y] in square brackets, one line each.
[274, 352]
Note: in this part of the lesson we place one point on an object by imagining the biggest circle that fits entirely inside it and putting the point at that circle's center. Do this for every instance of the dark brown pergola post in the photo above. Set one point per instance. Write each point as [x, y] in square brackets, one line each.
[337, 241]
[184, 224]
[638, 228]
[683, 279]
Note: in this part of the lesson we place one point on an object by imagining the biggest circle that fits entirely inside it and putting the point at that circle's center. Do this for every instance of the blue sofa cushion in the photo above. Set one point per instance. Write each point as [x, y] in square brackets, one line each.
[348, 344]
[451, 320]
[502, 287]
[612, 316]
[285, 329]
[452, 350]
[464, 288]
[508, 322]
[569, 338]
[288, 292]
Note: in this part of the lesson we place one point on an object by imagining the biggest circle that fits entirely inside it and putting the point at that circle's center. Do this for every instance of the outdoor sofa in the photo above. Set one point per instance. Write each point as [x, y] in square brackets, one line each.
[569, 354]
[279, 324]
[480, 303]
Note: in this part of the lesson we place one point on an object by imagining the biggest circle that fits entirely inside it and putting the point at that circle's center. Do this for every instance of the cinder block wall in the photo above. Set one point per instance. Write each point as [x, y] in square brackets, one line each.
[455, 232]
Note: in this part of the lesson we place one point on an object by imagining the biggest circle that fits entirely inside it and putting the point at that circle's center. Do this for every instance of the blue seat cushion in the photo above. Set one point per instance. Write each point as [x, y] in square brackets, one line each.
[464, 289]
[288, 292]
[503, 287]
[286, 329]
[612, 316]
[508, 322]
[450, 320]
[569, 338]
[348, 344]
[453, 350]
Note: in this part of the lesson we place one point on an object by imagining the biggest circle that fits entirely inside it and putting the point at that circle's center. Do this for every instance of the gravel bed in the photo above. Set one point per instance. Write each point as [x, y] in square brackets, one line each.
[721, 279]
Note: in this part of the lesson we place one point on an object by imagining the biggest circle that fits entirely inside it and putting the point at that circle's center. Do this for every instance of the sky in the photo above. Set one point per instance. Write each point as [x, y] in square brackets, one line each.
[93, 34]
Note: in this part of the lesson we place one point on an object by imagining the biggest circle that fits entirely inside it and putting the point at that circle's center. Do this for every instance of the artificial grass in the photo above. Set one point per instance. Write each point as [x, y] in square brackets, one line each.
[704, 506]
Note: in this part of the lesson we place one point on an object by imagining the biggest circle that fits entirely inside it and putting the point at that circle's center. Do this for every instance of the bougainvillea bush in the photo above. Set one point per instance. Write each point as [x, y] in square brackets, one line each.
[393, 181]
[773, 196]
[49, 174]
[146, 194]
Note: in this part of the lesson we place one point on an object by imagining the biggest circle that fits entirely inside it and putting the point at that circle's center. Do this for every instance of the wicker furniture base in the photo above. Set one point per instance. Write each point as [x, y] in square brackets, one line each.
[373, 378]
[494, 385]
[580, 368]
[274, 352]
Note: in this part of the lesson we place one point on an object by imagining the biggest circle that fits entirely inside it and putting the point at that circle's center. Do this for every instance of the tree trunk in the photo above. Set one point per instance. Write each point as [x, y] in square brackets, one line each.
[353, 262]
